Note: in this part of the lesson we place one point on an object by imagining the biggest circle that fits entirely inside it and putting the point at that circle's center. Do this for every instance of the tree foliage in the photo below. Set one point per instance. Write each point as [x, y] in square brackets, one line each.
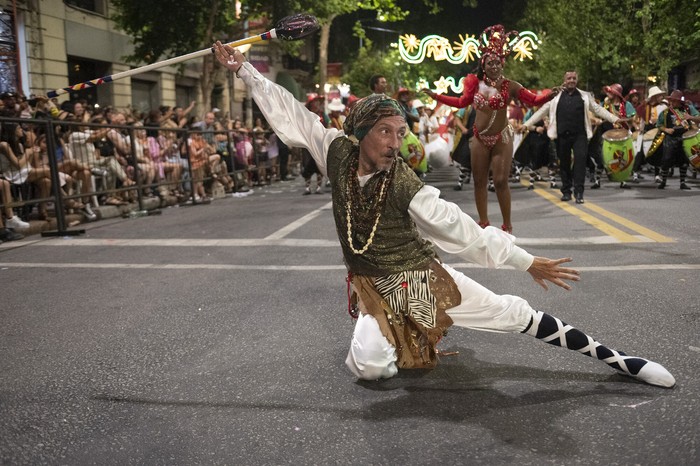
[328, 10]
[624, 42]
[172, 28]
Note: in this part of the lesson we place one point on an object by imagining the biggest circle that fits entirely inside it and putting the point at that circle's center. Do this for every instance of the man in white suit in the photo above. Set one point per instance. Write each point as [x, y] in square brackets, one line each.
[570, 127]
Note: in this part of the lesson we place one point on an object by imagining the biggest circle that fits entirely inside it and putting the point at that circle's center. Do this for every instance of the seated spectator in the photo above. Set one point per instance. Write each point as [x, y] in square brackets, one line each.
[92, 148]
[261, 160]
[25, 110]
[273, 152]
[45, 108]
[197, 149]
[243, 151]
[12, 221]
[10, 107]
[68, 169]
[174, 150]
[208, 128]
[16, 168]
[166, 170]
[179, 115]
[222, 165]
[145, 166]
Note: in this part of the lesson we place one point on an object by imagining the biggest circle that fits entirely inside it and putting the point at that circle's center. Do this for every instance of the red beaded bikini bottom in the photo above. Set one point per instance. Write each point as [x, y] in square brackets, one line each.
[490, 140]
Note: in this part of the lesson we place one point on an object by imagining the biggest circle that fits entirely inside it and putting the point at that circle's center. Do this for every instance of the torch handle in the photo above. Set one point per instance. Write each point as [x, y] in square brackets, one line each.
[268, 35]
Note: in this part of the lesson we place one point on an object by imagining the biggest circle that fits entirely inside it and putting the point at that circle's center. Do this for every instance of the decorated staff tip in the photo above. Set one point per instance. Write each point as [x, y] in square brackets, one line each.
[296, 26]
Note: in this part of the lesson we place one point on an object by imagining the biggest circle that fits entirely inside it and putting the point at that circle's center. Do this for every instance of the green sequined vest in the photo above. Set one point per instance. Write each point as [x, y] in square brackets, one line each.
[397, 245]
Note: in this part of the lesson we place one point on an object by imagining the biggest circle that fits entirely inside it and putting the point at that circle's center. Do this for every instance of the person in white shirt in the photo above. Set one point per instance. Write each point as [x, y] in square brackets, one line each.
[388, 223]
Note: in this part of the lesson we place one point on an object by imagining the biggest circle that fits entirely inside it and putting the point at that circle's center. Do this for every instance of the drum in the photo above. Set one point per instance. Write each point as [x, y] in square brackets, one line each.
[691, 146]
[651, 134]
[413, 153]
[637, 139]
[618, 155]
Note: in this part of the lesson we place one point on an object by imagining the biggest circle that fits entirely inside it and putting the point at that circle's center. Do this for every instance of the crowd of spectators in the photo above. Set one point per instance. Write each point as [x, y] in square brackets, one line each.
[114, 156]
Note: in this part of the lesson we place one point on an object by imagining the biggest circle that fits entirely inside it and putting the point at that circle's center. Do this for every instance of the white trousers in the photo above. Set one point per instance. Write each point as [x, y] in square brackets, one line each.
[372, 357]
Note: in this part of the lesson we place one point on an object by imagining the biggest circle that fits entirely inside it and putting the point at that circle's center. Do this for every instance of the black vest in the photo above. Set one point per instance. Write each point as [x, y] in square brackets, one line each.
[397, 246]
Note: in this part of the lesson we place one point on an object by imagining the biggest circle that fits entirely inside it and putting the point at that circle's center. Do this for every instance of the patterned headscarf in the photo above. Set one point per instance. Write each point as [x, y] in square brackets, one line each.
[367, 112]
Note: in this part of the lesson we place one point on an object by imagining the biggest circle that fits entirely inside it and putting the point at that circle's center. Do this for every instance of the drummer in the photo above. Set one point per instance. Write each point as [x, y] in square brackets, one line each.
[648, 114]
[616, 104]
[649, 110]
[674, 121]
[570, 127]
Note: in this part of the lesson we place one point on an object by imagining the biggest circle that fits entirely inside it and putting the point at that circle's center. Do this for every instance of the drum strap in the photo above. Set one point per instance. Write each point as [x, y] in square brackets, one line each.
[679, 118]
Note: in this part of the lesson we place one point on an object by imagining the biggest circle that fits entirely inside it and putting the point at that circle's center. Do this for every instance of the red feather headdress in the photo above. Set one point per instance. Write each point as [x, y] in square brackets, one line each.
[495, 41]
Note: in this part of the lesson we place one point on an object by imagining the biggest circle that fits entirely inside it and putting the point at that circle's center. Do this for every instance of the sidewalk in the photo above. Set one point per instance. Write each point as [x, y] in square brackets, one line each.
[103, 212]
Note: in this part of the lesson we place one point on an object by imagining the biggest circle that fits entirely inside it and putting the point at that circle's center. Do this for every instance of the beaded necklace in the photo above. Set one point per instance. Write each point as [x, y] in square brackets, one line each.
[490, 82]
[355, 196]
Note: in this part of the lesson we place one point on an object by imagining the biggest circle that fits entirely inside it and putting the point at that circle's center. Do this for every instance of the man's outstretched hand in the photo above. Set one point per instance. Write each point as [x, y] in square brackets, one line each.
[545, 270]
[228, 56]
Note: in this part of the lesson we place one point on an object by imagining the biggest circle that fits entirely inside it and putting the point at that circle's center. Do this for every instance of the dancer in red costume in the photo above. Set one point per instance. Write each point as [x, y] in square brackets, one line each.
[492, 145]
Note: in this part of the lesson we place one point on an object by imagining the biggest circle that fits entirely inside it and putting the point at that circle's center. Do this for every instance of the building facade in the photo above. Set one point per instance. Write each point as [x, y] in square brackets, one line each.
[51, 44]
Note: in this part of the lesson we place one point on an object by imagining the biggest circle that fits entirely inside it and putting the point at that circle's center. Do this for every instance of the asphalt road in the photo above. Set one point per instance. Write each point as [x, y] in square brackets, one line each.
[217, 334]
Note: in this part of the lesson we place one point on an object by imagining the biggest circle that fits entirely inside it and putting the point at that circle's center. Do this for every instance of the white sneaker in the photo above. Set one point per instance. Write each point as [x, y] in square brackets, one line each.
[654, 374]
[16, 223]
[89, 213]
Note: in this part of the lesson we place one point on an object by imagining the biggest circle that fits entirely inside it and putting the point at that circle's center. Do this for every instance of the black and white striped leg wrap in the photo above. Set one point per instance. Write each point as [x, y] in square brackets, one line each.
[555, 332]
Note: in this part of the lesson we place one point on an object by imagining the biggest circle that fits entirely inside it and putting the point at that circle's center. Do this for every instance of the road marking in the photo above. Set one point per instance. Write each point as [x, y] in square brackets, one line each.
[282, 232]
[606, 228]
[181, 242]
[659, 238]
[77, 241]
[303, 268]
[633, 406]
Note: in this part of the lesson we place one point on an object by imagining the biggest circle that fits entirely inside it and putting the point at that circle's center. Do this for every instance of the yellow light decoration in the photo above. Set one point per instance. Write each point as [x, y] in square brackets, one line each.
[524, 44]
[442, 85]
[410, 41]
[413, 50]
[422, 84]
[467, 47]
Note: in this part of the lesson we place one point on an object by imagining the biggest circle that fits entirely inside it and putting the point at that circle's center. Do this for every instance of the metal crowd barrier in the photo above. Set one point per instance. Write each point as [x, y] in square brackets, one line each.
[75, 147]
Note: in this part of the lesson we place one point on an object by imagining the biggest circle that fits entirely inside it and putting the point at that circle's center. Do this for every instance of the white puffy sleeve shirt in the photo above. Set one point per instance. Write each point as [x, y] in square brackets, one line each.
[441, 222]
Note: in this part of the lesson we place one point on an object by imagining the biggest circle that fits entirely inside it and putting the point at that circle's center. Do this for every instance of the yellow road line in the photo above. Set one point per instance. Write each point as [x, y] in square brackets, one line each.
[588, 218]
[658, 237]
[602, 226]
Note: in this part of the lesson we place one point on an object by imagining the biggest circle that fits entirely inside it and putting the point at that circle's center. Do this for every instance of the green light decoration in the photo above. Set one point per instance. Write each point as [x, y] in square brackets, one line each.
[414, 51]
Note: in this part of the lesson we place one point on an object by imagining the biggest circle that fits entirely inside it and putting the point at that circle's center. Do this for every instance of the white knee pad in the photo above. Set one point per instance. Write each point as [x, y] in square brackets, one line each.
[371, 356]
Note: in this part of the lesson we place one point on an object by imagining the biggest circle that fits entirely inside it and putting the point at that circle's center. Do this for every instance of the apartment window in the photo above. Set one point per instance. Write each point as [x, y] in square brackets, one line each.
[97, 6]
[83, 69]
[8, 53]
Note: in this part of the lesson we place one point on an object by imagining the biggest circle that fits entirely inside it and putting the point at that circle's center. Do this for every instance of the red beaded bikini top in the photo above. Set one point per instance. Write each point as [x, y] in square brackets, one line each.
[496, 101]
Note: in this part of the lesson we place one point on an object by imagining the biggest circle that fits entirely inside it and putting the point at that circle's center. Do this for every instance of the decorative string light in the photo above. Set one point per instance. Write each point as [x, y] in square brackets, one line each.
[414, 51]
